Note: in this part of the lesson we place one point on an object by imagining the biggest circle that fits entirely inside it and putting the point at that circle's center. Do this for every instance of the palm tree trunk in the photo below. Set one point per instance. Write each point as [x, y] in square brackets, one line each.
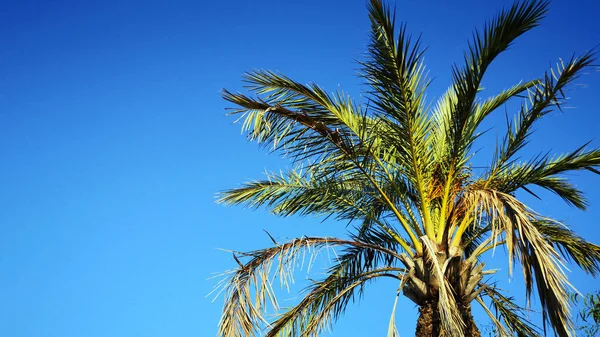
[429, 322]
[471, 329]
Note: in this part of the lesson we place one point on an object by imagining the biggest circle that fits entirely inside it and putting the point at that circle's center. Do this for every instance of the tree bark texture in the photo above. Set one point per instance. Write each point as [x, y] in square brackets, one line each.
[471, 329]
[429, 323]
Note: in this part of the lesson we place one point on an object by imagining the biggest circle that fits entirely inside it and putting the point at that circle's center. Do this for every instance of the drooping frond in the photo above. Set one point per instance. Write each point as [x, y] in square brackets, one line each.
[324, 304]
[547, 173]
[326, 300]
[249, 290]
[508, 318]
[571, 246]
[541, 263]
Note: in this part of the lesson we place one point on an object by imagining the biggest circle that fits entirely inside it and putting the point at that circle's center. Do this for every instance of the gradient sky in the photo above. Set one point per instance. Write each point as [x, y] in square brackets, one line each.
[114, 142]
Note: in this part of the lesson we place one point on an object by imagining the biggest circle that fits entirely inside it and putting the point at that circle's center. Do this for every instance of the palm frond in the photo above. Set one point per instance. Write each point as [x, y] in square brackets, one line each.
[338, 110]
[509, 318]
[540, 262]
[371, 257]
[301, 134]
[546, 172]
[484, 109]
[394, 69]
[571, 246]
[249, 289]
[326, 300]
[496, 37]
[395, 73]
[547, 95]
[457, 114]
[324, 304]
[392, 330]
[301, 193]
[443, 113]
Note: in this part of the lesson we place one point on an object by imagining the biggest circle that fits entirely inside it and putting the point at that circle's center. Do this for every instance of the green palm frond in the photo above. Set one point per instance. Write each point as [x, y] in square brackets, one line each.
[326, 300]
[571, 246]
[394, 69]
[324, 304]
[301, 134]
[443, 110]
[306, 192]
[546, 172]
[547, 95]
[299, 193]
[509, 318]
[395, 74]
[310, 136]
[309, 98]
[495, 38]
[457, 113]
[484, 109]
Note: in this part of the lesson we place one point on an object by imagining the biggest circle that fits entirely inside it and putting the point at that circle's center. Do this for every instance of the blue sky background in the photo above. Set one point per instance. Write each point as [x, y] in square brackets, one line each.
[114, 142]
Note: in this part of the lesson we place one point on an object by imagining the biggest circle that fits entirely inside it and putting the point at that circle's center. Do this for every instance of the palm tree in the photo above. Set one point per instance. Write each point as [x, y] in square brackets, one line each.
[400, 169]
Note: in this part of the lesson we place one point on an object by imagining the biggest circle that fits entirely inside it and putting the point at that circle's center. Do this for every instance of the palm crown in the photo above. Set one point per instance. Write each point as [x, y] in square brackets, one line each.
[400, 169]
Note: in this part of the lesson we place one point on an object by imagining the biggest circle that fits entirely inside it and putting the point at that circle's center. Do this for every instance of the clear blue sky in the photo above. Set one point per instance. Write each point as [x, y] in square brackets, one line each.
[114, 141]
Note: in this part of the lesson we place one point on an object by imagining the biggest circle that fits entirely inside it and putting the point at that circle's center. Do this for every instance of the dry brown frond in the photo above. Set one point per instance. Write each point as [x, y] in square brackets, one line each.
[541, 263]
